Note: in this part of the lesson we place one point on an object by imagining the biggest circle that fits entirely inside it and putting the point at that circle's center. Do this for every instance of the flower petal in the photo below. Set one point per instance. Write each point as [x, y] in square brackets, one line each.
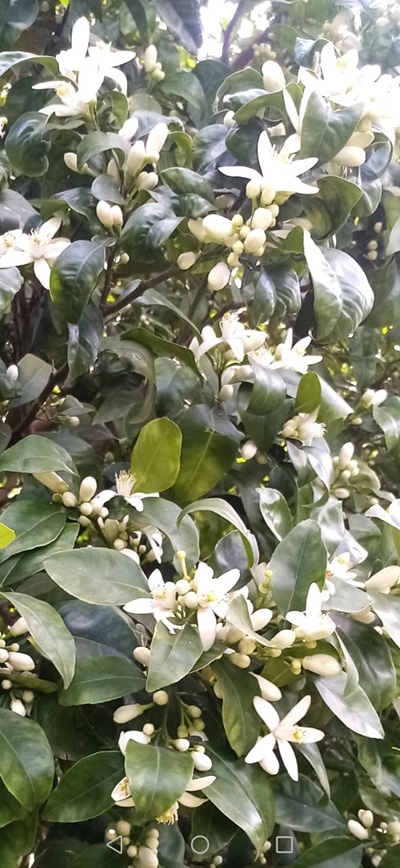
[42, 270]
[200, 783]
[267, 712]
[203, 578]
[227, 581]
[80, 36]
[190, 801]
[289, 759]
[262, 749]
[142, 606]
[240, 172]
[270, 763]
[297, 712]
[207, 625]
[313, 604]
[264, 151]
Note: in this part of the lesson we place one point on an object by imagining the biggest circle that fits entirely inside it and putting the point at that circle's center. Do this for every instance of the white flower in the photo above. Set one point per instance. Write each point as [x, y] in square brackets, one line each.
[40, 247]
[162, 602]
[212, 600]
[372, 398]
[277, 169]
[339, 81]
[340, 568]
[9, 241]
[75, 94]
[294, 358]
[293, 143]
[233, 333]
[273, 77]
[304, 427]
[121, 794]
[282, 733]
[124, 483]
[312, 624]
[102, 57]
[384, 580]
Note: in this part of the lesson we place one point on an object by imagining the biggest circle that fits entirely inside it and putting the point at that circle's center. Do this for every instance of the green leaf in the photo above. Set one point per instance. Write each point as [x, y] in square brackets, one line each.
[254, 812]
[308, 395]
[332, 853]
[165, 515]
[10, 809]
[298, 560]
[162, 347]
[6, 535]
[186, 85]
[184, 181]
[172, 655]
[15, 17]
[25, 147]
[100, 679]
[352, 707]
[268, 391]
[19, 567]
[105, 187]
[84, 341]
[371, 655]
[325, 132]
[84, 791]
[99, 576]
[238, 615]
[327, 291]
[26, 760]
[303, 807]
[339, 198]
[356, 293]
[10, 283]
[157, 778]
[35, 525]
[138, 356]
[385, 282]
[49, 632]
[275, 512]
[208, 449]
[8, 59]
[96, 856]
[74, 276]
[225, 510]
[33, 376]
[387, 607]
[97, 143]
[18, 840]
[156, 456]
[136, 237]
[212, 830]
[387, 416]
[182, 17]
[36, 454]
[391, 857]
[238, 688]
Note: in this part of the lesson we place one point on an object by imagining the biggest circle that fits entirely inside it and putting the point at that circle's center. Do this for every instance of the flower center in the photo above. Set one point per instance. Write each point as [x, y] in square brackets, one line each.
[170, 816]
[299, 734]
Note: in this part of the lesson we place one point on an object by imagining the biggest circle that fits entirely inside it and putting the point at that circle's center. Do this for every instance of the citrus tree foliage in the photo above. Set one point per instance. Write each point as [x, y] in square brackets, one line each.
[200, 436]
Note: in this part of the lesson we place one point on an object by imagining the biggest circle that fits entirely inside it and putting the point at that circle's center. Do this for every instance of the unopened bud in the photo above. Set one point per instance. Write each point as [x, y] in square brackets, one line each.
[225, 393]
[18, 628]
[117, 215]
[255, 239]
[273, 77]
[135, 158]
[201, 761]
[160, 697]
[127, 712]
[142, 655]
[12, 373]
[21, 662]
[261, 219]
[217, 227]
[150, 58]
[69, 500]
[186, 260]
[147, 180]
[322, 664]
[355, 828]
[156, 141]
[218, 277]
[71, 161]
[88, 488]
[284, 639]
[18, 707]
[52, 481]
[104, 213]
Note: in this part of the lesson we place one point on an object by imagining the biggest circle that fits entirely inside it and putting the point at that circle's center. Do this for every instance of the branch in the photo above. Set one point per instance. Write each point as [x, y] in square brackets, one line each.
[31, 415]
[112, 309]
[229, 32]
[246, 56]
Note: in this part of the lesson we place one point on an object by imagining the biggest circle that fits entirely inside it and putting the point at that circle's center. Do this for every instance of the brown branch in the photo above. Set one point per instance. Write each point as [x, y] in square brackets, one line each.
[111, 309]
[245, 57]
[230, 30]
[31, 415]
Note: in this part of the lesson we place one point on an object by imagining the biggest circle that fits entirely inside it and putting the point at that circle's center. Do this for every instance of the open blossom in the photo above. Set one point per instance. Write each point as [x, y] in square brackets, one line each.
[312, 624]
[276, 168]
[103, 58]
[282, 734]
[161, 604]
[212, 600]
[124, 483]
[293, 357]
[238, 338]
[40, 248]
[304, 427]
[121, 795]
[74, 95]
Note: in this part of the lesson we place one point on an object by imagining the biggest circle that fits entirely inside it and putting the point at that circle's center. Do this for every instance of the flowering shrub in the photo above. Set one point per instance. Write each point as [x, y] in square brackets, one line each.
[200, 433]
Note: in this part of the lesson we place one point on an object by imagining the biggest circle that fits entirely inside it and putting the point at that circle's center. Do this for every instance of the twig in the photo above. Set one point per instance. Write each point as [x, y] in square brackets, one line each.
[229, 32]
[245, 56]
[112, 309]
[223, 310]
[31, 415]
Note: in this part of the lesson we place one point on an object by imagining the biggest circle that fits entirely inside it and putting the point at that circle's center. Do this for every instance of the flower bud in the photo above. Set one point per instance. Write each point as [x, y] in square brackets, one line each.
[260, 618]
[158, 75]
[117, 215]
[142, 655]
[383, 580]
[21, 662]
[217, 227]
[129, 128]
[191, 600]
[88, 488]
[147, 180]
[247, 646]
[229, 119]
[3, 655]
[71, 161]
[69, 500]
[218, 277]
[12, 373]
[52, 481]
[273, 77]
[370, 398]
[201, 761]
[322, 664]
[156, 141]
[19, 628]
[284, 639]
[355, 828]
[186, 260]
[252, 189]
[255, 239]
[351, 156]
[150, 58]
[269, 690]
[132, 851]
[367, 818]
[135, 158]
[197, 229]
[28, 695]
[225, 393]
[104, 213]
[18, 707]
[394, 827]
[268, 194]
[342, 493]
[123, 828]
[261, 219]
[182, 586]
[127, 712]
[242, 661]
[146, 858]
[248, 451]
[181, 744]
[160, 697]
[345, 455]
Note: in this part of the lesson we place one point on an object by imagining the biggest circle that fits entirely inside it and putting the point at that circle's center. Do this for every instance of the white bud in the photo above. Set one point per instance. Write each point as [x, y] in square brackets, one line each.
[355, 828]
[260, 618]
[117, 215]
[372, 255]
[19, 628]
[127, 712]
[12, 373]
[186, 260]
[3, 655]
[351, 156]
[156, 141]
[71, 161]
[248, 451]
[86, 509]
[370, 398]
[28, 695]
[129, 128]
[197, 229]
[367, 818]
[132, 851]
[242, 661]
[253, 189]
[160, 697]
[146, 858]
[218, 277]
[147, 180]
[254, 240]
[52, 481]
[322, 664]
[201, 761]
[247, 646]
[88, 488]
[342, 493]
[284, 639]
[182, 744]
[104, 213]
[225, 393]
[191, 600]
[18, 707]
[69, 500]
[384, 580]
[261, 219]
[394, 827]
[21, 662]
[135, 158]
[142, 655]
[158, 75]
[217, 227]
[269, 690]
[229, 119]
[345, 455]
[123, 828]
[150, 58]
[273, 77]
[182, 586]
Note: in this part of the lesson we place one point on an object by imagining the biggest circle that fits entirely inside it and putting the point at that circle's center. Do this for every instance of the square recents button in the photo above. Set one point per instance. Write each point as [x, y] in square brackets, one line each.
[284, 844]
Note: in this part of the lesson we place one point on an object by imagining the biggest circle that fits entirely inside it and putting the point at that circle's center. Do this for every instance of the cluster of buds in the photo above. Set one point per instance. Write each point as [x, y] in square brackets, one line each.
[85, 502]
[372, 250]
[152, 66]
[15, 663]
[366, 829]
[110, 216]
[345, 469]
[193, 725]
[143, 852]
[142, 155]
[373, 398]
[304, 427]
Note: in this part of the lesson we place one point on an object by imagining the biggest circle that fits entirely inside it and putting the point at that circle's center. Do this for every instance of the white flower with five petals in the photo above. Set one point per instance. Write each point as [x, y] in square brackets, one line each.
[212, 600]
[293, 357]
[277, 169]
[102, 57]
[283, 733]
[161, 604]
[312, 624]
[124, 483]
[238, 338]
[40, 248]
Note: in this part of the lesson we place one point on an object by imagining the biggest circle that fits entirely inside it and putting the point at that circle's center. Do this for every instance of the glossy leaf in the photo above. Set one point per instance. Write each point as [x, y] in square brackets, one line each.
[34, 524]
[26, 761]
[84, 791]
[157, 777]
[172, 655]
[299, 560]
[238, 688]
[36, 454]
[99, 576]
[74, 276]
[156, 456]
[101, 679]
[325, 132]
